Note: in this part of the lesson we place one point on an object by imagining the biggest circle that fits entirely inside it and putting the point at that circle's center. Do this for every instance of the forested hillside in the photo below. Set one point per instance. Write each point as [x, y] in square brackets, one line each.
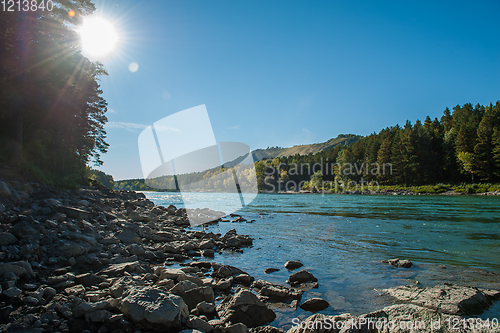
[462, 146]
[273, 152]
[52, 112]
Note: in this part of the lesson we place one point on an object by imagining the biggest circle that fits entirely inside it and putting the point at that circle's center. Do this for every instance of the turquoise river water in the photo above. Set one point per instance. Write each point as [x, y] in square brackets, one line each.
[342, 240]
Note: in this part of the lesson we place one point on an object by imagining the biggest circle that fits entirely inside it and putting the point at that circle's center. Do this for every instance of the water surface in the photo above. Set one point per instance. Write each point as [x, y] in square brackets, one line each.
[342, 240]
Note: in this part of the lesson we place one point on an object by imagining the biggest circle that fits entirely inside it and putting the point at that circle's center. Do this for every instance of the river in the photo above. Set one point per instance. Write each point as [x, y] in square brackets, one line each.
[342, 240]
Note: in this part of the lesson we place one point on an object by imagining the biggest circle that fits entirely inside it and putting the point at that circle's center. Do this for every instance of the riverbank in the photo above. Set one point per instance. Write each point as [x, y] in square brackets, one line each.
[108, 261]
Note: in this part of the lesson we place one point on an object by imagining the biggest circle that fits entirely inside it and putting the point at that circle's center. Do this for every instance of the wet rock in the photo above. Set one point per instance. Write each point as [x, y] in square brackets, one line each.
[279, 292]
[243, 279]
[244, 307]
[271, 270]
[153, 308]
[399, 263]
[315, 304]
[208, 253]
[225, 271]
[292, 264]
[446, 298]
[300, 277]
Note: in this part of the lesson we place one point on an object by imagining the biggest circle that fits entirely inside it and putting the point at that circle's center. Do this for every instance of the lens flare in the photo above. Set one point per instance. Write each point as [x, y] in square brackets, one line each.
[71, 13]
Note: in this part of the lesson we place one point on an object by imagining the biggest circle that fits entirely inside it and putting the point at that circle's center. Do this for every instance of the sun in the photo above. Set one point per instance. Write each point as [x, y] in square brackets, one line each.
[99, 38]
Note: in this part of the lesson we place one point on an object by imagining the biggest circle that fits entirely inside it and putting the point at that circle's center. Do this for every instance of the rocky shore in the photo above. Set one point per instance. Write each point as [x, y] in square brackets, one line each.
[97, 260]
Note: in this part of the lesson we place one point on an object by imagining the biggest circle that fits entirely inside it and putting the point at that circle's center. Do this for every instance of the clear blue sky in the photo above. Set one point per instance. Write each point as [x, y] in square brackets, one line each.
[282, 73]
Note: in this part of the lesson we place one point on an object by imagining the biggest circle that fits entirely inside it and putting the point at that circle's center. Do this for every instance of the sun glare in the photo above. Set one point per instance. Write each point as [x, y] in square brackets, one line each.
[98, 38]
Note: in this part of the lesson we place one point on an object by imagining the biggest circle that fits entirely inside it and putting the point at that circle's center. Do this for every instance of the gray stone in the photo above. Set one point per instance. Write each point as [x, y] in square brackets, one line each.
[279, 292]
[87, 307]
[12, 292]
[292, 264]
[244, 279]
[225, 271]
[119, 269]
[300, 277]
[245, 307]
[194, 296]
[205, 308]
[315, 304]
[446, 298]
[98, 316]
[236, 328]
[49, 292]
[182, 287]
[76, 213]
[153, 308]
[72, 249]
[399, 263]
[89, 279]
[199, 324]
[19, 268]
[128, 236]
[135, 249]
[123, 283]
[6, 238]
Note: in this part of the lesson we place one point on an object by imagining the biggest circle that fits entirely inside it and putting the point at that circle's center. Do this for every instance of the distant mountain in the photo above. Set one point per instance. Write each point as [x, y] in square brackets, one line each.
[341, 139]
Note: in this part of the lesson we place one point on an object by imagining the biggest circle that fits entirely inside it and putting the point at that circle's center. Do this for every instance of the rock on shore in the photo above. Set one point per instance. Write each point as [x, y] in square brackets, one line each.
[96, 259]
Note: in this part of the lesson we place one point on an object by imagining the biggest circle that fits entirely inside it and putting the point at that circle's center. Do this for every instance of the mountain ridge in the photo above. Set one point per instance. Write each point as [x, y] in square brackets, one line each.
[344, 139]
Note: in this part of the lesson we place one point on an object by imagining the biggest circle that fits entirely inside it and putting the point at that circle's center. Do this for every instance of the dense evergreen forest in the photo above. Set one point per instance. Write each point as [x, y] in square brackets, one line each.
[462, 146]
[52, 112]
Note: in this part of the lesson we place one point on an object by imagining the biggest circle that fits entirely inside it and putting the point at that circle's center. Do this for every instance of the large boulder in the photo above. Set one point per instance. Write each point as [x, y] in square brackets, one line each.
[445, 298]
[245, 307]
[153, 308]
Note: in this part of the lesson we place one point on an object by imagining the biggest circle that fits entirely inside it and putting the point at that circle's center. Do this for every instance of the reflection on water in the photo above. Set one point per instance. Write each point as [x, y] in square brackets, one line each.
[341, 239]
